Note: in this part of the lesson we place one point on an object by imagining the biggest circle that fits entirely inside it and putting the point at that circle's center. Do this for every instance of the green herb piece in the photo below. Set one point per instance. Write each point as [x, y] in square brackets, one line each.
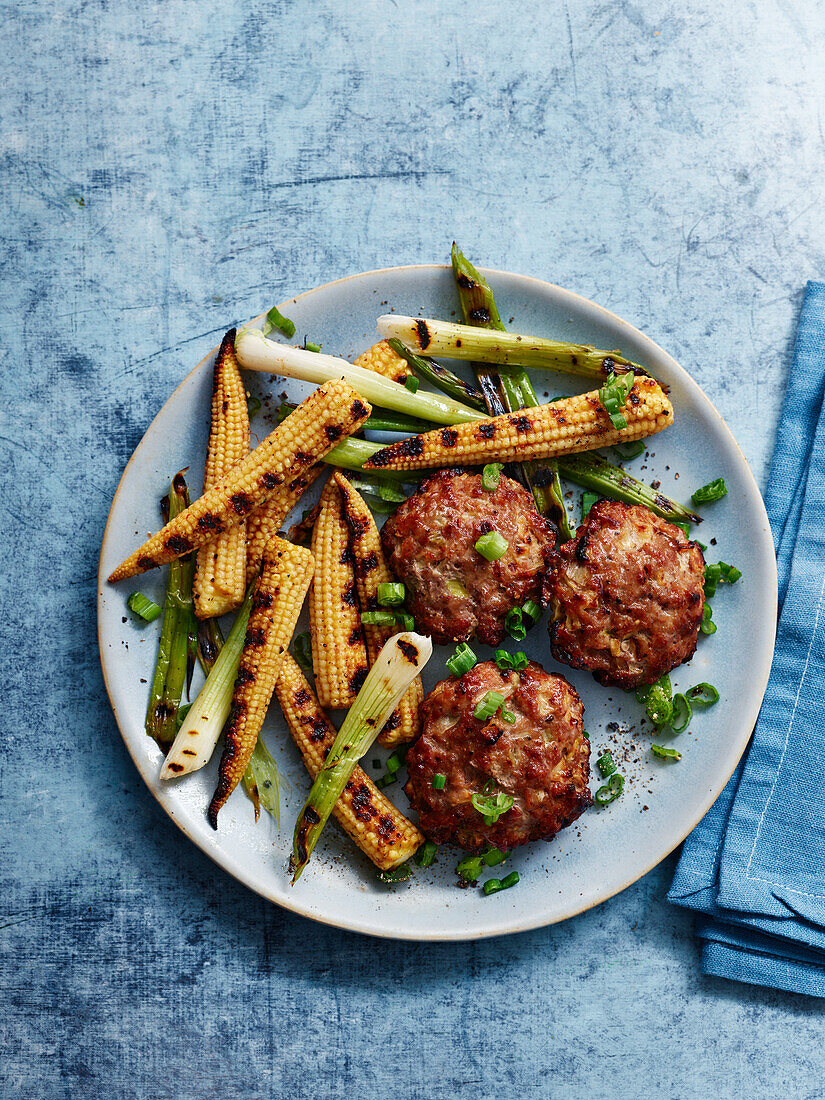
[311, 347]
[626, 452]
[439, 781]
[730, 574]
[488, 706]
[493, 856]
[262, 781]
[665, 753]
[469, 869]
[274, 319]
[713, 574]
[385, 781]
[490, 475]
[492, 546]
[511, 661]
[507, 716]
[714, 490]
[658, 700]
[462, 660]
[405, 620]
[494, 885]
[532, 610]
[395, 874]
[514, 625]
[302, 648]
[703, 695]
[411, 383]
[682, 713]
[606, 764]
[378, 618]
[682, 526]
[707, 625]
[394, 762]
[610, 791]
[588, 500]
[425, 856]
[143, 607]
[492, 806]
[253, 406]
[391, 594]
[613, 396]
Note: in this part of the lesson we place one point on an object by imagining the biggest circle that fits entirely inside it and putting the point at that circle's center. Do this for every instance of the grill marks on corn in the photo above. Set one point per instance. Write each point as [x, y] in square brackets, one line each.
[286, 573]
[300, 440]
[574, 424]
[381, 831]
[339, 653]
[370, 569]
[265, 521]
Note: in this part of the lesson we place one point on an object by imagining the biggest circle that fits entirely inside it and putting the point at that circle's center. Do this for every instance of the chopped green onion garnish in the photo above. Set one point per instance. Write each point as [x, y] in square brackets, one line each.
[628, 451]
[714, 490]
[425, 855]
[703, 695]
[376, 763]
[682, 525]
[606, 764]
[462, 660]
[532, 610]
[492, 546]
[730, 574]
[507, 716]
[701, 545]
[492, 806]
[588, 500]
[488, 706]
[665, 753]
[396, 874]
[490, 475]
[493, 856]
[274, 319]
[378, 618]
[253, 406]
[613, 396]
[469, 868]
[511, 661]
[658, 699]
[682, 713]
[405, 620]
[394, 762]
[707, 625]
[391, 594]
[302, 647]
[610, 791]
[385, 781]
[713, 574]
[411, 383]
[143, 607]
[439, 781]
[514, 625]
[181, 714]
[493, 885]
[310, 346]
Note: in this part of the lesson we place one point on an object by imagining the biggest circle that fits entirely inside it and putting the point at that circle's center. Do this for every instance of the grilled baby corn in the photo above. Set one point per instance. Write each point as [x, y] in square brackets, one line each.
[265, 520]
[377, 827]
[339, 655]
[279, 594]
[370, 571]
[220, 565]
[383, 360]
[328, 415]
[574, 424]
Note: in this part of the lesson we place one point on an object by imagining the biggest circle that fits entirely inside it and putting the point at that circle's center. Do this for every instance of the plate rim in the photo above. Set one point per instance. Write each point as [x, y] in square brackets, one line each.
[226, 862]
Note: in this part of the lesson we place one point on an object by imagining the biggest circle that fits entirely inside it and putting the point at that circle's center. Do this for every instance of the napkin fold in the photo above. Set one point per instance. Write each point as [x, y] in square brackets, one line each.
[754, 867]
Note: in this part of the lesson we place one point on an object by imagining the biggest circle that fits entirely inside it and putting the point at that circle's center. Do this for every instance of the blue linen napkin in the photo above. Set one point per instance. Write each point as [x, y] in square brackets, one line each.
[754, 868]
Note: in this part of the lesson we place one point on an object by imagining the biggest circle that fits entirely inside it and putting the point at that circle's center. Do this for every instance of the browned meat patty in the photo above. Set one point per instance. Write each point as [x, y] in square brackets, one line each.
[453, 591]
[626, 595]
[541, 759]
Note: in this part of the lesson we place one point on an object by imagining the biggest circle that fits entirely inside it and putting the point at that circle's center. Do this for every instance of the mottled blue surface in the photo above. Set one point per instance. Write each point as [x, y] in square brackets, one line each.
[169, 168]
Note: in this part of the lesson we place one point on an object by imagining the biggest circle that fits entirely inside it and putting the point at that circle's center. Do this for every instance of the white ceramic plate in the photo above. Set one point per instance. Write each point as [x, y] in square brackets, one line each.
[606, 850]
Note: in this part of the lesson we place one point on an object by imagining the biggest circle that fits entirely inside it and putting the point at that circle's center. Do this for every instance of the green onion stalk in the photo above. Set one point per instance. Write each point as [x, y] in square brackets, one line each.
[401, 659]
[479, 309]
[589, 470]
[173, 650]
[441, 377]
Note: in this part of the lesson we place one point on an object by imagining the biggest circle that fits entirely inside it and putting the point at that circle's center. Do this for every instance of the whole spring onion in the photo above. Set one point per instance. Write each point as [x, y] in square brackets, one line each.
[143, 607]
[441, 377]
[401, 659]
[208, 714]
[379, 420]
[445, 338]
[714, 490]
[255, 352]
[591, 471]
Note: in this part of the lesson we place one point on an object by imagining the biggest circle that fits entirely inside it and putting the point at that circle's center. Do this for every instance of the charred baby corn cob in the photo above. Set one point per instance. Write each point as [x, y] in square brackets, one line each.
[574, 424]
[370, 571]
[371, 820]
[279, 594]
[384, 360]
[220, 565]
[265, 520]
[339, 655]
[328, 415]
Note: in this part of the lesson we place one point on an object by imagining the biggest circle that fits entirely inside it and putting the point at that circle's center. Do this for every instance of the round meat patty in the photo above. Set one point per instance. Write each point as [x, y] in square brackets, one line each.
[626, 595]
[453, 591]
[541, 759]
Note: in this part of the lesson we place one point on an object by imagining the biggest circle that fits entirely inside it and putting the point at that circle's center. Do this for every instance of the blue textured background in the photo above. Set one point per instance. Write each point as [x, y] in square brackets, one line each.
[171, 167]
